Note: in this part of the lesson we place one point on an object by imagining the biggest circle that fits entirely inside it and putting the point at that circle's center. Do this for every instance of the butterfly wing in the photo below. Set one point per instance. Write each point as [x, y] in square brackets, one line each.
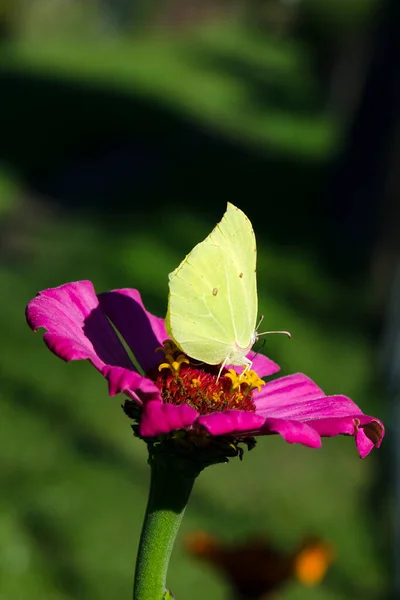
[212, 307]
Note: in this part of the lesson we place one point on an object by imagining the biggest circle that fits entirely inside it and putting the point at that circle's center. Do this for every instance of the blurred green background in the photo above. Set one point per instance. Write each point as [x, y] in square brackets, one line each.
[125, 128]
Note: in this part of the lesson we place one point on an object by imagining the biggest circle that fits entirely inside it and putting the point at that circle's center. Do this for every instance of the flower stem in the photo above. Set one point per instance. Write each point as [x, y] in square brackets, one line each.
[172, 481]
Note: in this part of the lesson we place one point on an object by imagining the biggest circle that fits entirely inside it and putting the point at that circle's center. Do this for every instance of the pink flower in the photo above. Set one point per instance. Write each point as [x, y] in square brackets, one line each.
[175, 393]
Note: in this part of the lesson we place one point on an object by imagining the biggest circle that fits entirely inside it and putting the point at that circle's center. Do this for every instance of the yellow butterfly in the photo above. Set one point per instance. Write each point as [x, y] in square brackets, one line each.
[212, 306]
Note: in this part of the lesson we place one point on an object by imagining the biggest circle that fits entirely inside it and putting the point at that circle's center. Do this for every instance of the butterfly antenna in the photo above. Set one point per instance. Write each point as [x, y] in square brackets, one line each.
[259, 322]
[289, 335]
[268, 332]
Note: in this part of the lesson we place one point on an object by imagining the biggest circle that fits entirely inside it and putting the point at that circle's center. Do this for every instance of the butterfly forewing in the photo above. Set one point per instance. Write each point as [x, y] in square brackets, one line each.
[213, 298]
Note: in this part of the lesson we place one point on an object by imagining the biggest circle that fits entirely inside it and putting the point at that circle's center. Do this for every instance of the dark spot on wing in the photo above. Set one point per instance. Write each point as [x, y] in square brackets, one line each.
[215, 291]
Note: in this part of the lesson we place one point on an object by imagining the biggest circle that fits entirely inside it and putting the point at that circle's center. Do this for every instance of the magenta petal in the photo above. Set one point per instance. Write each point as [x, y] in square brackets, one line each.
[77, 327]
[262, 365]
[132, 384]
[158, 418]
[283, 396]
[142, 331]
[328, 407]
[308, 408]
[230, 422]
[293, 432]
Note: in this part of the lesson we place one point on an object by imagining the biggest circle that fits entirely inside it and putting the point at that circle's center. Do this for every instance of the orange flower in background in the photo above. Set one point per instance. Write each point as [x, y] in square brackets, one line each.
[254, 568]
[310, 563]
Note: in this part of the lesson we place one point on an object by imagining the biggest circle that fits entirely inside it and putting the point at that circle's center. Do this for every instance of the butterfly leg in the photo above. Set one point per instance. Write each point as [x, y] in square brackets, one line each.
[247, 364]
[222, 367]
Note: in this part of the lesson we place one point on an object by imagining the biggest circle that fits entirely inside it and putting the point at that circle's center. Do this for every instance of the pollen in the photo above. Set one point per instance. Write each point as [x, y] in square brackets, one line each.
[183, 382]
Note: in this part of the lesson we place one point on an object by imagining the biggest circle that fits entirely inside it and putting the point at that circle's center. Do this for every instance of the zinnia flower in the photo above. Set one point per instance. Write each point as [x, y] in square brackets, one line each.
[255, 568]
[169, 394]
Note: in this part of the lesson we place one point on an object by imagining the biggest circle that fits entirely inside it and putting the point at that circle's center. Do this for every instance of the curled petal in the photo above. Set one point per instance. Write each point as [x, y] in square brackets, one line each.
[293, 432]
[158, 418]
[132, 384]
[77, 326]
[363, 443]
[142, 331]
[368, 432]
[231, 422]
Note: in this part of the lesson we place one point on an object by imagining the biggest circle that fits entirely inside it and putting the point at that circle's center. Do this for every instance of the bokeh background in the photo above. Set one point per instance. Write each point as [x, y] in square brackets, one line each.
[125, 127]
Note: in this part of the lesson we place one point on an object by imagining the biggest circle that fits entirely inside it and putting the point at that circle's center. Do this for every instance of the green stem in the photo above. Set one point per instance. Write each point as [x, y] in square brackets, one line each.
[171, 484]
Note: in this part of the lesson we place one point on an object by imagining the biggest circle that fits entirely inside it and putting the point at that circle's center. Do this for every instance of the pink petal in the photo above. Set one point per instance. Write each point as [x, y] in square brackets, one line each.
[142, 331]
[77, 327]
[284, 396]
[158, 418]
[132, 384]
[231, 422]
[293, 432]
[262, 365]
[306, 407]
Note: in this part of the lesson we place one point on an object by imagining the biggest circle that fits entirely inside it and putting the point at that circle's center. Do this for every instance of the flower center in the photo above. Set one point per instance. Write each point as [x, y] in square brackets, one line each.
[182, 382]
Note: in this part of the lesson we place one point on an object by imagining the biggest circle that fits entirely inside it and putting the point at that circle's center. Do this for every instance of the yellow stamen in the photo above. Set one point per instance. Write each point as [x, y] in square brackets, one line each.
[235, 379]
[248, 378]
[173, 364]
[169, 346]
[253, 380]
[196, 382]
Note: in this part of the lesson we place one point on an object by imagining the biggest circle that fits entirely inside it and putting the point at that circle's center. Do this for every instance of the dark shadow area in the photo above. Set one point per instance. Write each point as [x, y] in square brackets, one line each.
[359, 178]
[120, 158]
[135, 326]
[273, 88]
